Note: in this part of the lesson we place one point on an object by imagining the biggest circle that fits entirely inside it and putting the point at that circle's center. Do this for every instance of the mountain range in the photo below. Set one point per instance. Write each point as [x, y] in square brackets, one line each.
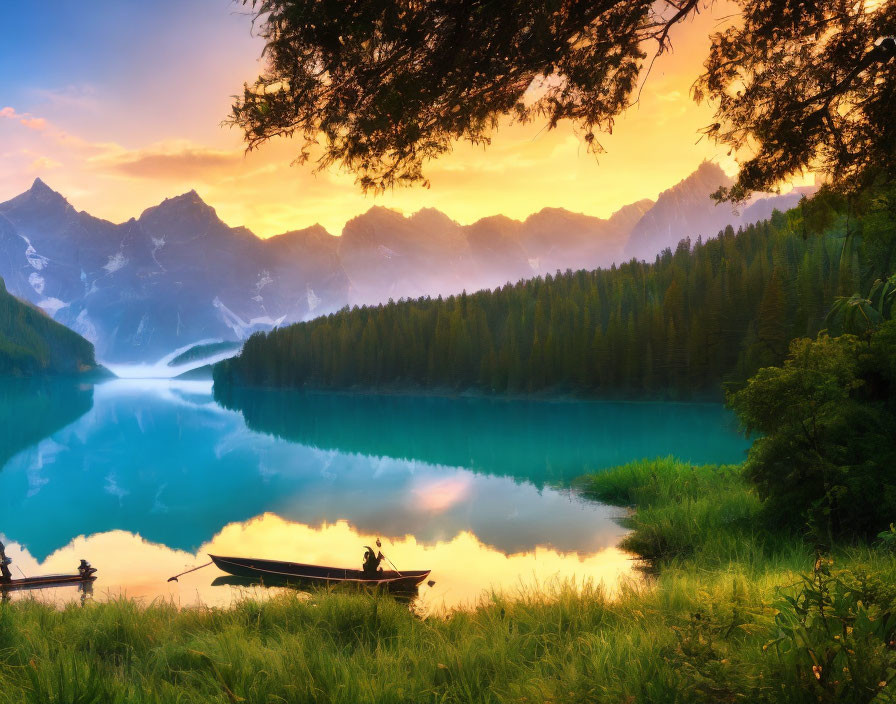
[179, 275]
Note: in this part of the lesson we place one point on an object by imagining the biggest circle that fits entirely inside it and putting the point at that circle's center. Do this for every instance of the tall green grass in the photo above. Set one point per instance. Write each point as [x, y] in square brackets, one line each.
[707, 628]
[562, 645]
[704, 515]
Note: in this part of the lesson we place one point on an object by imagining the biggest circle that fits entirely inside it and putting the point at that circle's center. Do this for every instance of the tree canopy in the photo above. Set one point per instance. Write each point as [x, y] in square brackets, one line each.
[386, 85]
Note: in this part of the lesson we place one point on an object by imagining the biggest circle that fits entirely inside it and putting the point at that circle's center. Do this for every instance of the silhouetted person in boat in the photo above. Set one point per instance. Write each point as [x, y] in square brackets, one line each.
[85, 570]
[5, 573]
[372, 562]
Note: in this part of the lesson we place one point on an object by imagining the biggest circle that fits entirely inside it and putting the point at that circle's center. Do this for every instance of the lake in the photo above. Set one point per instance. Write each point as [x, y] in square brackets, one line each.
[144, 477]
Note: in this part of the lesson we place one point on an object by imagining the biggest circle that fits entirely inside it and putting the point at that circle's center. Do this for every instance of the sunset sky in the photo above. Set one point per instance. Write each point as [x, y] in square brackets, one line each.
[118, 104]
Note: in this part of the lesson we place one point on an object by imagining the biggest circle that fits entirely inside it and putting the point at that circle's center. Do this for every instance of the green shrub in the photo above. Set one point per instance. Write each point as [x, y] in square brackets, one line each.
[834, 636]
[826, 456]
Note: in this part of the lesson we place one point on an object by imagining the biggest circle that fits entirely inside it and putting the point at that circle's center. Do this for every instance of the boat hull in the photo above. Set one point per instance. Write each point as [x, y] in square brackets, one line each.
[50, 580]
[274, 571]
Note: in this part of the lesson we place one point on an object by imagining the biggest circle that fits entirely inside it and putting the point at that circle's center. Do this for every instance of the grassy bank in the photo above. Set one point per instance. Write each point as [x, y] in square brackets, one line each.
[712, 626]
[766, 618]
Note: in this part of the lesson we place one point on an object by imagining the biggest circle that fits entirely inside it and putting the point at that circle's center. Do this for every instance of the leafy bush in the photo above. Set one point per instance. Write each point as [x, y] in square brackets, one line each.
[826, 455]
[887, 538]
[835, 636]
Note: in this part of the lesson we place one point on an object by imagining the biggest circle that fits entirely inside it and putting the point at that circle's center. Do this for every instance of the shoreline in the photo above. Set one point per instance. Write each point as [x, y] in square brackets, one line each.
[698, 632]
[476, 394]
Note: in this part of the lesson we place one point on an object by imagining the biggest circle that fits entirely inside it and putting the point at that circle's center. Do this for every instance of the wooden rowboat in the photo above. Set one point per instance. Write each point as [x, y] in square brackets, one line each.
[48, 580]
[274, 571]
[84, 576]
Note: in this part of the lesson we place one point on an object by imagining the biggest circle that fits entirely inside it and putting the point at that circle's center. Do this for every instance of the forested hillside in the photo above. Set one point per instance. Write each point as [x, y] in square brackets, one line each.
[709, 312]
[31, 343]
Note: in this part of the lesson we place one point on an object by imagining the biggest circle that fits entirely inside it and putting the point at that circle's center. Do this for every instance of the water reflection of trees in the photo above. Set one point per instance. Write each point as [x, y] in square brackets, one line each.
[536, 441]
[33, 409]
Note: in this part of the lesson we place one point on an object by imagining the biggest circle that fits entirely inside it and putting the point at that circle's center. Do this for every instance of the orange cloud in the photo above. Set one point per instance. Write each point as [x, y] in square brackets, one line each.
[44, 163]
[438, 495]
[34, 123]
[26, 119]
[178, 163]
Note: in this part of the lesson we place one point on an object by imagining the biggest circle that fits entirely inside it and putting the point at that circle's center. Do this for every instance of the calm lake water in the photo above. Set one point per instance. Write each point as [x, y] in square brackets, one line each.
[143, 478]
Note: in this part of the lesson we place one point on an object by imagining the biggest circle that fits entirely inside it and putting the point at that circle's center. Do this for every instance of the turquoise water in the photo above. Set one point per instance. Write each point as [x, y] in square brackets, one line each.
[143, 477]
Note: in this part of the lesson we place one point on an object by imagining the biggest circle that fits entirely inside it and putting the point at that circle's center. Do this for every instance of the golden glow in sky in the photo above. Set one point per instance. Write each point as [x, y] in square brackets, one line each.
[143, 122]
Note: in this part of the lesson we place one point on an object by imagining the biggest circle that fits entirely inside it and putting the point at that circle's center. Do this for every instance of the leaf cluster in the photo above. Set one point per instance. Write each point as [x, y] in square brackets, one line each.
[805, 85]
[835, 634]
[385, 85]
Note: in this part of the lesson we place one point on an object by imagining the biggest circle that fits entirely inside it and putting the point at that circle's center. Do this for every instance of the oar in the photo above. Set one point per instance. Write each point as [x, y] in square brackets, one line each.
[380, 545]
[174, 578]
[393, 566]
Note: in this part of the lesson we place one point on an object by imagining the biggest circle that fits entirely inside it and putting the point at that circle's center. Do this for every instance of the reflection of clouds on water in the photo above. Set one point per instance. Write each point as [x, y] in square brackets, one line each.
[463, 486]
[439, 494]
[35, 477]
[37, 458]
[148, 461]
[463, 567]
[172, 391]
[112, 488]
[158, 506]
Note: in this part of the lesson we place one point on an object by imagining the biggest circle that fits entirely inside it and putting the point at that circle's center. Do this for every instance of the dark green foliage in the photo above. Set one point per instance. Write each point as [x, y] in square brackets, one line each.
[827, 421]
[887, 538]
[384, 85]
[712, 312]
[36, 408]
[32, 343]
[858, 315]
[835, 635]
[804, 85]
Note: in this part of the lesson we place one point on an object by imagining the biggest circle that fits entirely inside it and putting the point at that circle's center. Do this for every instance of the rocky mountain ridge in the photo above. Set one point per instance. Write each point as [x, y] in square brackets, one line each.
[178, 274]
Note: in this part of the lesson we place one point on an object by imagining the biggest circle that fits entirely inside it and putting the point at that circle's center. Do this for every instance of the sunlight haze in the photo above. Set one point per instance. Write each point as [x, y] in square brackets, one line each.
[123, 107]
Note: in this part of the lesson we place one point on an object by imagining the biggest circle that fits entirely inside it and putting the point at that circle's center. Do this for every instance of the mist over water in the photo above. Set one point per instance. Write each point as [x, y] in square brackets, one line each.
[144, 476]
[163, 369]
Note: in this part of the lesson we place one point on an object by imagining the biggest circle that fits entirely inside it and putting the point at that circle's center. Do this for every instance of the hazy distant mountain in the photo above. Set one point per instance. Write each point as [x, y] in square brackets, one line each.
[178, 275]
[249, 283]
[559, 239]
[174, 276]
[387, 255]
[495, 244]
[686, 210]
[761, 208]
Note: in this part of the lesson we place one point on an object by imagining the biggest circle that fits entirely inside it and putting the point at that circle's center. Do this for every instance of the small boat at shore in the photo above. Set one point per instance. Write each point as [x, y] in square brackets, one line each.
[46, 581]
[86, 575]
[276, 572]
